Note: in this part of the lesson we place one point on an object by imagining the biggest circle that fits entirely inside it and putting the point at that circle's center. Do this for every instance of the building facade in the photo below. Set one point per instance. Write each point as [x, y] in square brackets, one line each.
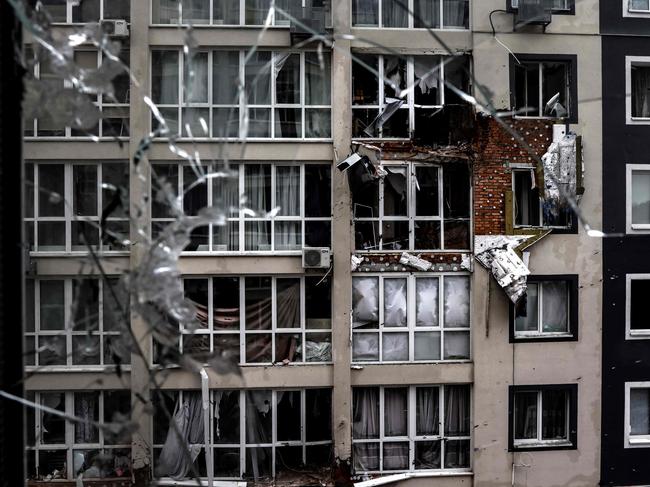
[404, 356]
[625, 412]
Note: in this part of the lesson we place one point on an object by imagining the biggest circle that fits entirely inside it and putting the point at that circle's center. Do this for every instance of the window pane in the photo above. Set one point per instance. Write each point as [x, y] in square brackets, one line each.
[318, 191]
[426, 289]
[51, 192]
[225, 72]
[555, 307]
[426, 199]
[639, 5]
[287, 78]
[85, 304]
[365, 412]
[427, 419]
[365, 302]
[395, 235]
[525, 415]
[394, 13]
[456, 345]
[317, 79]
[288, 427]
[456, 289]
[52, 350]
[318, 412]
[427, 454]
[225, 12]
[86, 11]
[53, 426]
[554, 415]
[366, 456]
[396, 456]
[427, 345]
[640, 197]
[51, 236]
[84, 185]
[258, 410]
[640, 411]
[258, 303]
[395, 299]
[117, 176]
[456, 189]
[225, 122]
[427, 235]
[195, 198]
[527, 89]
[318, 123]
[287, 190]
[395, 347]
[426, 13]
[52, 305]
[86, 407]
[226, 303]
[117, 9]
[395, 411]
[288, 122]
[164, 77]
[457, 454]
[257, 186]
[288, 303]
[365, 13]
[258, 79]
[257, 11]
[165, 11]
[56, 9]
[396, 191]
[526, 312]
[639, 292]
[395, 72]
[457, 410]
[85, 350]
[318, 303]
[365, 347]
[196, 11]
[195, 89]
[365, 85]
[257, 236]
[526, 199]
[555, 82]
[226, 417]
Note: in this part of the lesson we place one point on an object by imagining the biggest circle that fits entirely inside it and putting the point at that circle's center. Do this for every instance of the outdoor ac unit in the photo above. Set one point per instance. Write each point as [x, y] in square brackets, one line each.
[115, 28]
[315, 258]
[533, 12]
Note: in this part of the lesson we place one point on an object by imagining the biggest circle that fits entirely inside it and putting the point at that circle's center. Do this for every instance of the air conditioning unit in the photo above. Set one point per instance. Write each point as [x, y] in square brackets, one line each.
[533, 12]
[316, 258]
[115, 28]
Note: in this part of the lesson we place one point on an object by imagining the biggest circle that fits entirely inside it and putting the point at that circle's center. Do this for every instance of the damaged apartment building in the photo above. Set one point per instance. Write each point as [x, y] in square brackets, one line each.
[423, 307]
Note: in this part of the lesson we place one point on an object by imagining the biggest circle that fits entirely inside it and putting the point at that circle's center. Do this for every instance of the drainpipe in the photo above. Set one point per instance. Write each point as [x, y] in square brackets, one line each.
[205, 397]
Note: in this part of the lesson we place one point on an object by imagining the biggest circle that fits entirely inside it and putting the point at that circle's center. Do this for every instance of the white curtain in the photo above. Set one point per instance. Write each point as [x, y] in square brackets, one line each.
[365, 12]
[395, 411]
[456, 297]
[395, 302]
[196, 11]
[426, 412]
[365, 301]
[183, 443]
[393, 15]
[168, 81]
[554, 306]
[317, 79]
[426, 13]
[457, 411]
[257, 179]
[395, 346]
[427, 73]
[455, 13]
[196, 78]
[426, 301]
[641, 91]
[365, 413]
[287, 197]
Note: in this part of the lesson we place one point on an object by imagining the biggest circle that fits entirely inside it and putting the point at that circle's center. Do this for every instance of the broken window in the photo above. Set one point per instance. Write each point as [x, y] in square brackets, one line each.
[543, 416]
[281, 319]
[55, 226]
[638, 5]
[549, 308]
[638, 200]
[638, 289]
[235, 12]
[301, 191]
[640, 89]
[115, 109]
[637, 414]
[66, 11]
[434, 14]
[389, 109]
[543, 88]
[287, 94]
[529, 208]
[61, 449]
[422, 428]
[410, 318]
[556, 5]
[68, 327]
[253, 434]
[415, 206]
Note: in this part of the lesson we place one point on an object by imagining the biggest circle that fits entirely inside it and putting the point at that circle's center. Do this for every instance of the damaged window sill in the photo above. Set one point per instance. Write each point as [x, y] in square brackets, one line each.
[396, 477]
[542, 445]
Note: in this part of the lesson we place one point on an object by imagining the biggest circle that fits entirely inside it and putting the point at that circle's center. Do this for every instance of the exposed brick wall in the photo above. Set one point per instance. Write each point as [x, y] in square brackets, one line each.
[495, 149]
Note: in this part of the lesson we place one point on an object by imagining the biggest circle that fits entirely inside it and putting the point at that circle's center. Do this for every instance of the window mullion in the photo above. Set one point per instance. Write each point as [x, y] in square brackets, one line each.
[410, 95]
[303, 316]
[382, 98]
[273, 97]
[441, 75]
[540, 306]
[411, 289]
[539, 415]
[69, 428]
[541, 90]
[441, 205]
[381, 428]
[211, 312]
[442, 12]
[380, 314]
[303, 423]
[274, 426]
[242, 319]
[302, 94]
[243, 408]
[274, 180]
[67, 315]
[380, 20]
[441, 424]
[274, 313]
[412, 433]
[68, 205]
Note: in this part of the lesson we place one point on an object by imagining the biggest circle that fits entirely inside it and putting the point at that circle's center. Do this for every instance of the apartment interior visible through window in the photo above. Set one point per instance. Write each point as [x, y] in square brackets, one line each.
[541, 89]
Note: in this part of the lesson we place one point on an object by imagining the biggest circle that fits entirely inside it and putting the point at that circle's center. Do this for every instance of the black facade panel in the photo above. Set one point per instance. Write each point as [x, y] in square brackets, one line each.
[613, 22]
[623, 360]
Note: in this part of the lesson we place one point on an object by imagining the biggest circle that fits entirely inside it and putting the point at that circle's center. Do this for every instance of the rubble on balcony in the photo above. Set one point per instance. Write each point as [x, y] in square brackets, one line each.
[502, 256]
[410, 262]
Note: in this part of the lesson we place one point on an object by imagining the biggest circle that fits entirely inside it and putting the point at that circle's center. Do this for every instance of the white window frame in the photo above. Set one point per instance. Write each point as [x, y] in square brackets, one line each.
[630, 61]
[539, 333]
[69, 6]
[240, 102]
[539, 442]
[632, 228]
[514, 4]
[409, 104]
[240, 217]
[412, 217]
[243, 444]
[631, 334]
[540, 71]
[70, 446]
[411, 20]
[412, 437]
[275, 330]
[633, 441]
[68, 211]
[99, 102]
[277, 20]
[523, 169]
[411, 326]
[629, 12]
[68, 332]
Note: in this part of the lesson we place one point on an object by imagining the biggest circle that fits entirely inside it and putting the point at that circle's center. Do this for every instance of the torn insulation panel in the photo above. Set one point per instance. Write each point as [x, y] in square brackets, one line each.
[560, 172]
[500, 254]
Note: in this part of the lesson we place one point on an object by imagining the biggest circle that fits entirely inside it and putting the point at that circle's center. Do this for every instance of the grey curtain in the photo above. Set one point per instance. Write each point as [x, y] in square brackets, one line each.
[455, 13]
[365, 12]
[365, 413]
[393, 15]
[426, 13]
[457, 411]
[641, 91]
[426, 412]
[554, 307]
